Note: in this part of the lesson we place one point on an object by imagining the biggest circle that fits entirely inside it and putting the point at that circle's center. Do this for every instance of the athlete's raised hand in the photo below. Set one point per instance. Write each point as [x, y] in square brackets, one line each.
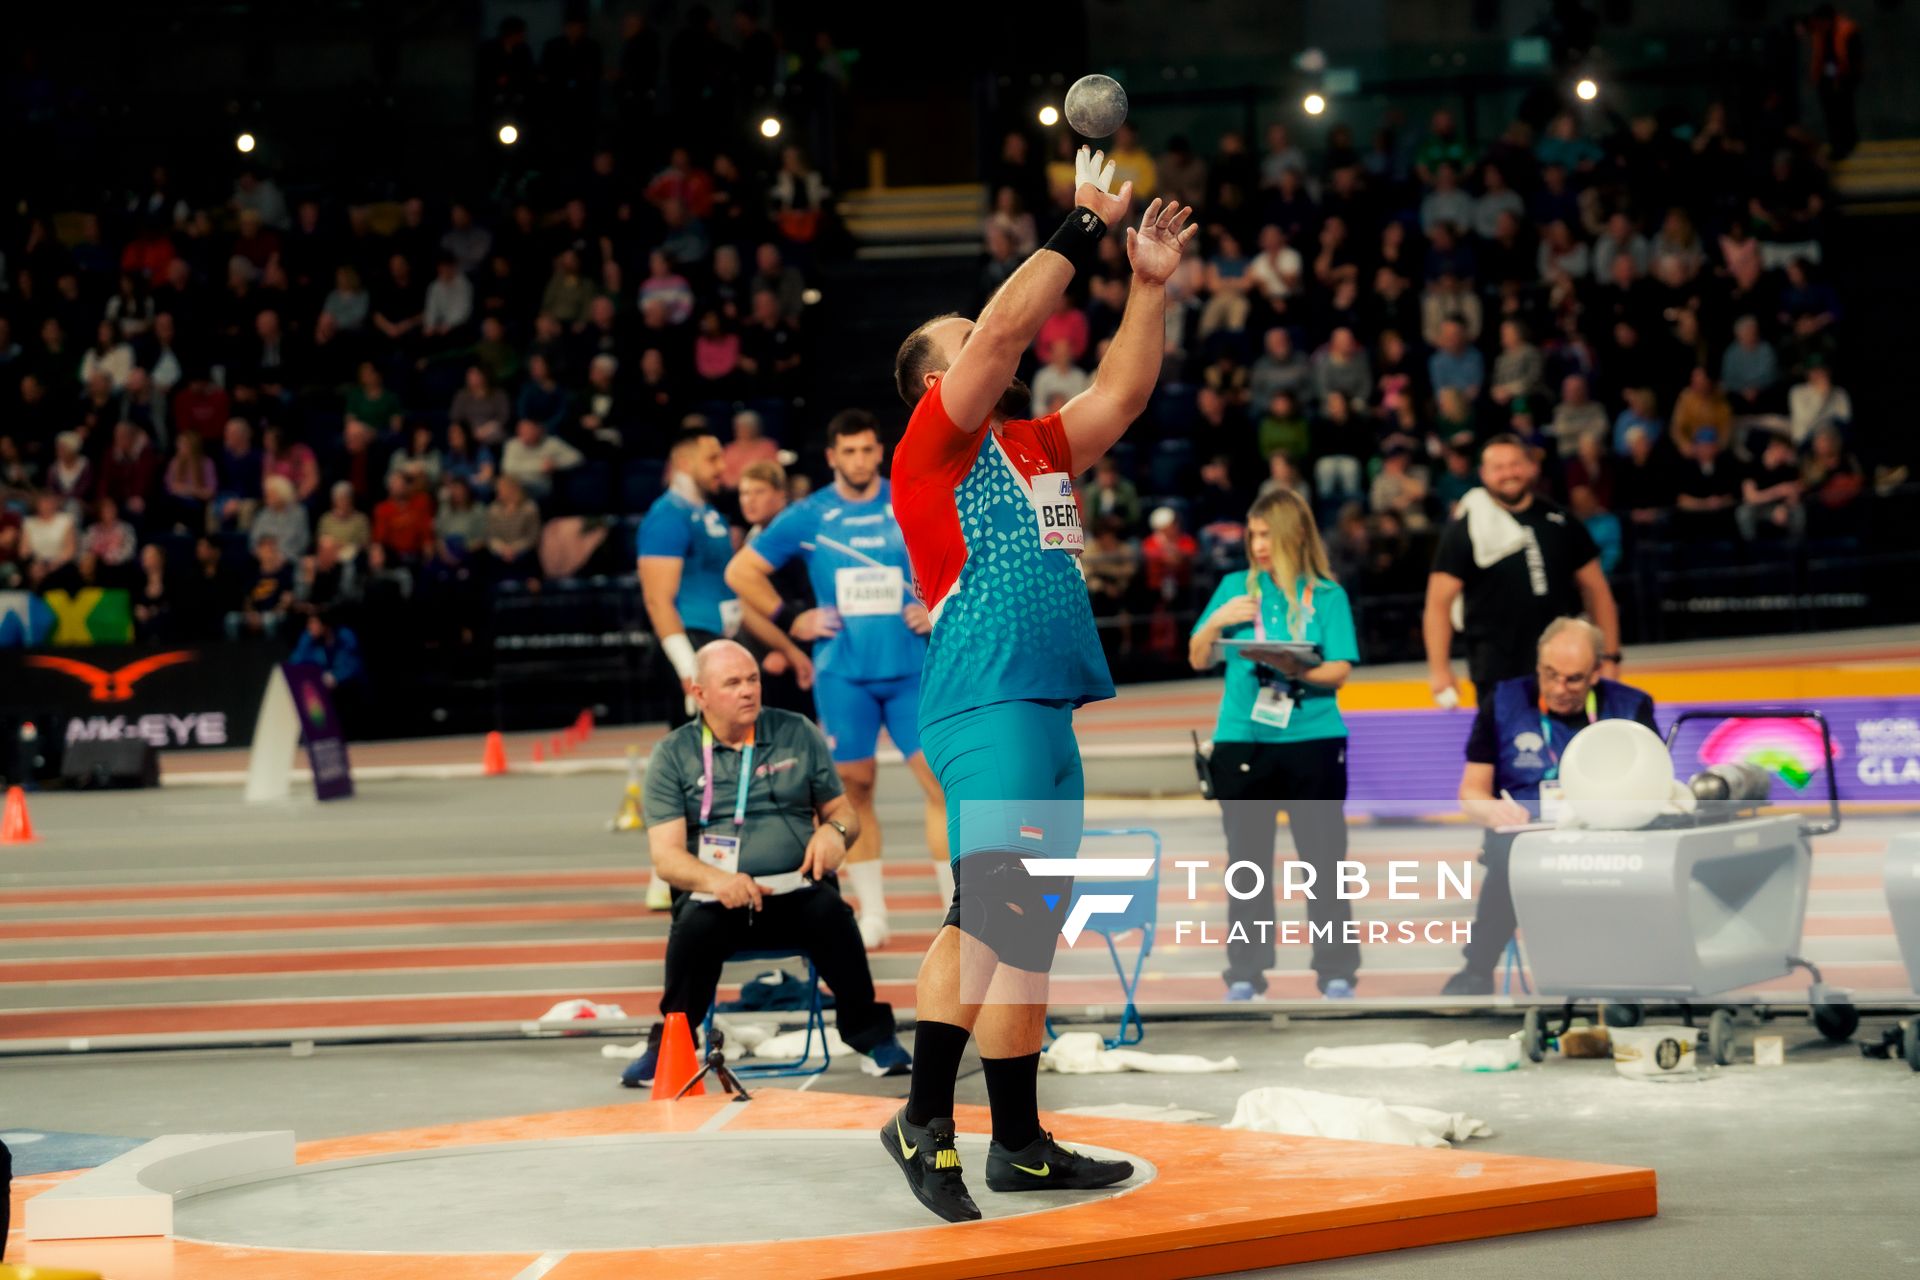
[1156, 245]
[1093, 187]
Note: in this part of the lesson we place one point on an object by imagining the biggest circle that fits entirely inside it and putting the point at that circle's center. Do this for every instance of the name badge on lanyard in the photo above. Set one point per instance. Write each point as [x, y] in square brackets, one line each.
[717, 850]
[1552, 794]
[1056, 516]
[1274, 706]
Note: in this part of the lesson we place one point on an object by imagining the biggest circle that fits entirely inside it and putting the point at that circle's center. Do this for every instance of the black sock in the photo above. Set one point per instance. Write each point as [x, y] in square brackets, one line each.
[1013, 1091]
[937, 1049]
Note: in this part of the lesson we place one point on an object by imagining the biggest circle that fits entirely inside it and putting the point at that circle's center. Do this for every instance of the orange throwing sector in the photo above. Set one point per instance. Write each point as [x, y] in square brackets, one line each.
[678, 1063]
[15, 826]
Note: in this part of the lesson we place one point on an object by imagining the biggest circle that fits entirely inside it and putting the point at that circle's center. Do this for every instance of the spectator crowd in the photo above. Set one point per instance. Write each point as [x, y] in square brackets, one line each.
[262, 411]
[1642, 301]
[259, 410]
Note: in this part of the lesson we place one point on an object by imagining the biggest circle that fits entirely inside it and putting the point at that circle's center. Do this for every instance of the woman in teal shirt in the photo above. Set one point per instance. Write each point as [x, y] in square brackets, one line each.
[1279, 742]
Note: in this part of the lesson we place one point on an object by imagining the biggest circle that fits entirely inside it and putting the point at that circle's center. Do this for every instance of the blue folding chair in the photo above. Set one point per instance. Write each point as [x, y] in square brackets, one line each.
[1513, 966]
[816, 1026]
[1142, 913]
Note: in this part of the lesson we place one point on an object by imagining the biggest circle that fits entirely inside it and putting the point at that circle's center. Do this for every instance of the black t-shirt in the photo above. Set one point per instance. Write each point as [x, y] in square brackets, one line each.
[1510, 602]
[1483, 740]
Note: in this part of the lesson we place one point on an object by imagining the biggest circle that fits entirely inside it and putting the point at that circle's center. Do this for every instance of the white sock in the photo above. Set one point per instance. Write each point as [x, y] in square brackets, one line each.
[867, 888]
[943, 877]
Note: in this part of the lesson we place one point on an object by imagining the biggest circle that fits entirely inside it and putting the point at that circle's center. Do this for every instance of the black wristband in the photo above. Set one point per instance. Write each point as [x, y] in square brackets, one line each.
[1078, 239]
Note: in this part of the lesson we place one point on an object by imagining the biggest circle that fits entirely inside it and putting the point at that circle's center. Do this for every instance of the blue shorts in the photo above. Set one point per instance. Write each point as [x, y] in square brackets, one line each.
[1012, 778]
[851, 712]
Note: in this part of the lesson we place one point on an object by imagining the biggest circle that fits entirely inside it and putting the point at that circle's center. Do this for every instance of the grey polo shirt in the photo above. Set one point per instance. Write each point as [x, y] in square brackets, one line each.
[793, 775]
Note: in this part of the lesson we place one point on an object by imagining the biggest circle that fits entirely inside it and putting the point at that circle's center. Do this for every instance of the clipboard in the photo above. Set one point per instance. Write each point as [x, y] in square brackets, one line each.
[1265, 652]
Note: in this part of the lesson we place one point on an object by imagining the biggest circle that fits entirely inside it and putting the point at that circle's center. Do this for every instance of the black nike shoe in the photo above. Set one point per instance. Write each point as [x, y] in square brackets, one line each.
[927, 1156]
[1045, 1165]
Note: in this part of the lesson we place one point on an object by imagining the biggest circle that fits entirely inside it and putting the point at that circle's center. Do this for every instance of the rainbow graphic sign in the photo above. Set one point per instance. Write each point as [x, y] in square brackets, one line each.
[1788, 749]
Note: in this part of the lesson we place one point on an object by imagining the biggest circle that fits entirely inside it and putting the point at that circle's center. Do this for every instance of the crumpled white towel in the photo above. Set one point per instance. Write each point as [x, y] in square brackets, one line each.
[1084, 1053]
[1309, 1114]
[1494, 533]
[1392, 1054]
[1458, 1054]
[583, 1011]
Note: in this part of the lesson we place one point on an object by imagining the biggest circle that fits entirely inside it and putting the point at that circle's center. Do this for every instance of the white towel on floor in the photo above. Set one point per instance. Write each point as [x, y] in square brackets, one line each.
[1458, 1054]
[1084, 1053]
[1309, 1114]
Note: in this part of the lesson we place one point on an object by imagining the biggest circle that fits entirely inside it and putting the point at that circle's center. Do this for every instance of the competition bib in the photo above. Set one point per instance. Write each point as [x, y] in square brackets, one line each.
[730, 615]
[1056, 516]
[869, 591]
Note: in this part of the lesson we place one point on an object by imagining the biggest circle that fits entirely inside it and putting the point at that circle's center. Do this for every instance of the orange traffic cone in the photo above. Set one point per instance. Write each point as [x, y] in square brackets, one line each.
[15, 826]
[583, 726]
[677, 1063]
[558, 747]
[539, 754]
[493, 760]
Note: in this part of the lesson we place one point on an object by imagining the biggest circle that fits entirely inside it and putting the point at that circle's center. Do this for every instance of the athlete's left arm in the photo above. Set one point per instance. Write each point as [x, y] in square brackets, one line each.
[1101, 414]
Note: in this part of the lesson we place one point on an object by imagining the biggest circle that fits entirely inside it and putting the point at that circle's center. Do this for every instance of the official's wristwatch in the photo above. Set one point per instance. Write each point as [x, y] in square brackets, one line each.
[841, 827]
[1615, 656]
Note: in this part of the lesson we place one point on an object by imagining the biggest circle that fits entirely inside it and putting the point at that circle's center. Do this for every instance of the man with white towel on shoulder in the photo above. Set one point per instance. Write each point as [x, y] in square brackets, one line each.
[1509, 563]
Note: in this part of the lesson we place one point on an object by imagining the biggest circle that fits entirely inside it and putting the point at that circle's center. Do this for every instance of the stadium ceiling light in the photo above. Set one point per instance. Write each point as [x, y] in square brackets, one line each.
[770, 128]
[1587, 89]
[245, 143]
[1049, 115]
[508, 135]
[1314, 104]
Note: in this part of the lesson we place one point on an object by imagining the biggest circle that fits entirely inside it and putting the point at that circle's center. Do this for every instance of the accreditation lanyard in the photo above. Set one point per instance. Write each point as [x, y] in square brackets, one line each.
[706, 788]
[1546, 734]
[1299, 633]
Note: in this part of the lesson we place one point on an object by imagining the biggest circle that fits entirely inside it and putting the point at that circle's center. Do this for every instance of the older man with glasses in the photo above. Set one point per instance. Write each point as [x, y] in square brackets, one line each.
[1514, 749]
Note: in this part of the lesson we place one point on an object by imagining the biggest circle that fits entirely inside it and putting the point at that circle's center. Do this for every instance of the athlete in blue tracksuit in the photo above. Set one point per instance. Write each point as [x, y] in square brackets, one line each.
[869, 638]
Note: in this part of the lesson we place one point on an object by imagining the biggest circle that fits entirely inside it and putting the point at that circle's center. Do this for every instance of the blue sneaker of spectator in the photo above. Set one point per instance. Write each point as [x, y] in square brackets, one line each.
[889, 1059]
[1241, 992]
[639, 1072]
[1337, 989]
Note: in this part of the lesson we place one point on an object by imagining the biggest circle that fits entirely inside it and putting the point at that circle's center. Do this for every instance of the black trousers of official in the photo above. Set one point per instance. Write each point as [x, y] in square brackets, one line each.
[1254, 781]
[1493, 918]
[816, 921]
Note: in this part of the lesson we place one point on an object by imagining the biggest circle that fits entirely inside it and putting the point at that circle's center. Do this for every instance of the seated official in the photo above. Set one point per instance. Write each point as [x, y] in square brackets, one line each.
[1512, 776]
[731, 804]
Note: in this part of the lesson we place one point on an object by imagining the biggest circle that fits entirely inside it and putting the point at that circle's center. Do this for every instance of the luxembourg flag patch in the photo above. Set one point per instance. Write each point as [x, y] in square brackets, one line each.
[1032, 833]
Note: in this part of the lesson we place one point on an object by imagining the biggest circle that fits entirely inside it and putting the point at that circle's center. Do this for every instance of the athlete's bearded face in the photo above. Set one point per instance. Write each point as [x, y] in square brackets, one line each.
[1015, 403]
[856, 458]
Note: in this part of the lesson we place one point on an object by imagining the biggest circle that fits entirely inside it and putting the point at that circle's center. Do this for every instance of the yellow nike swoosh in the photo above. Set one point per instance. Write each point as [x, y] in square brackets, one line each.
[1041, 1172]
[905, 1150]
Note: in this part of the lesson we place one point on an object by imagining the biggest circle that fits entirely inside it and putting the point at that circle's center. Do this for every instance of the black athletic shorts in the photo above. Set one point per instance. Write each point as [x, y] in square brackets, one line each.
[1016, 914]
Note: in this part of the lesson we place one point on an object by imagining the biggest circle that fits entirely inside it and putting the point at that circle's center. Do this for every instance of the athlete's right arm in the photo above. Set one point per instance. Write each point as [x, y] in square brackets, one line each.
[659, 584]
[750, 576]
[990, 353]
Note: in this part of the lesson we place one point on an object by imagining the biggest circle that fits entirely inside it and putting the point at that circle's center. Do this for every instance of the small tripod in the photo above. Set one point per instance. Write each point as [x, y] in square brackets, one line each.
[717, 1064]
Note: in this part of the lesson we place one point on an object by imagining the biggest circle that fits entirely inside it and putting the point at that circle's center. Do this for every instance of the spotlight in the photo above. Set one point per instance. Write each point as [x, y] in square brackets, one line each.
[1314, 104]
[1049, 115]
[1587, 90]
[769, 128]
[244, 143]
[508, 135]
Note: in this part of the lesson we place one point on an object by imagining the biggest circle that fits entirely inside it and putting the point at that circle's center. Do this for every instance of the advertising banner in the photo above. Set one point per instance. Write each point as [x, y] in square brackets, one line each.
[178, 698]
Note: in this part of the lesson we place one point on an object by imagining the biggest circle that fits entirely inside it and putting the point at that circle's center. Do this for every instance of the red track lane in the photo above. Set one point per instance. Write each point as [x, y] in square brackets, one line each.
[537, 955]
[283, 1015]
[82, 895]
[402, 917]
